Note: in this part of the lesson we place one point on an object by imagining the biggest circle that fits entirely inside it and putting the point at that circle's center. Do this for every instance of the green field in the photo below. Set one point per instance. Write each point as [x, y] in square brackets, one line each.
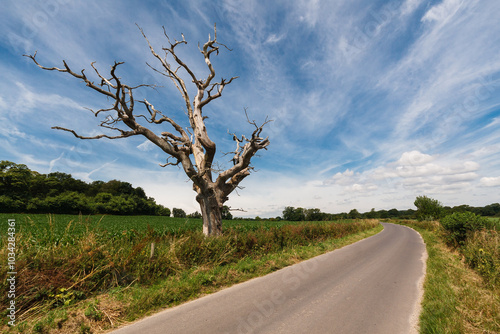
[45, 225]
[66, 265]
[49, 229]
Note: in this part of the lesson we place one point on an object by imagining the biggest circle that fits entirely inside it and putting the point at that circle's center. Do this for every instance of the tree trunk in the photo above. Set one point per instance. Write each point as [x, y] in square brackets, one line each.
[212, 214]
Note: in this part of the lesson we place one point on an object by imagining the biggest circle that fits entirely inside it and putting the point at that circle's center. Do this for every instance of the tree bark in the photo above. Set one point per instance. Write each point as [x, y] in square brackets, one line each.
[211, 211]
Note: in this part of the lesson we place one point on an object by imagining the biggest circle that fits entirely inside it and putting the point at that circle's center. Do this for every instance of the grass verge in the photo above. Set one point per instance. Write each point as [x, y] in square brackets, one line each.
[96, 281]
[456, 298]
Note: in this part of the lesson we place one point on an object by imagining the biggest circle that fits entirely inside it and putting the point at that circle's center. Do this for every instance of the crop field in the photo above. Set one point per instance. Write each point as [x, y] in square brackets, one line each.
[496, 222]
[66, 261]
[58, 226]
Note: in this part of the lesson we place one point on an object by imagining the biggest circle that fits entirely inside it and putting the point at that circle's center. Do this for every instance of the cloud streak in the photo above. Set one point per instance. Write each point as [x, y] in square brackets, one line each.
[373, 102]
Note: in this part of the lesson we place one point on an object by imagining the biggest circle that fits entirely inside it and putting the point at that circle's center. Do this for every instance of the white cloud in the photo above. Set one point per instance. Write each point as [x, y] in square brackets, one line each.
[493, 123]
[146, 146]
[345, 178]
[490, 181]
[415, 164]
[273, 38]
[414, 158]
[361, 188]
[29, 100]
[485, 151]
[414, 172]
[442, 11]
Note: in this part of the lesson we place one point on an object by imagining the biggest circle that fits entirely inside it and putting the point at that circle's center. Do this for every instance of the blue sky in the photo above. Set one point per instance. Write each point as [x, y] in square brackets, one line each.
[373, 102]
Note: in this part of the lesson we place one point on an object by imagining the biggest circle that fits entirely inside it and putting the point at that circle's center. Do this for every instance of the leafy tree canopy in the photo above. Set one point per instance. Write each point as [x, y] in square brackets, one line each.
[24, 190]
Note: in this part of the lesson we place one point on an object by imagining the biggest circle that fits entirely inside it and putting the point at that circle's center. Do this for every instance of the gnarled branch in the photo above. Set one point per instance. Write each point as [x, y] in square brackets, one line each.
[180, 144]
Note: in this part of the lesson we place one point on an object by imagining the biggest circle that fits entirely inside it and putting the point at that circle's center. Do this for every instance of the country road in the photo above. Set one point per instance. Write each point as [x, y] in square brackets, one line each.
[372, 286]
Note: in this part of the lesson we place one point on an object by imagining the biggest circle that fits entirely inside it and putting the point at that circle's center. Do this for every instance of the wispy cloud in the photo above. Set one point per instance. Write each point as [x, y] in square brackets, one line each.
[443, 12]
[373, 102]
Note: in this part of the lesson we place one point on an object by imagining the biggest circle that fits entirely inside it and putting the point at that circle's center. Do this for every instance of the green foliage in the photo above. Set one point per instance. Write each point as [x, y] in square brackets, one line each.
[9, 204]
[314, 215]
[354, 214]
[85, 329]
[428, 208]
[294, 214]
[195, 215]
[179, 213]
[226, 214]
[39, 328]
[459, 225]
[160, 210]
[92, 312]
[23, 190]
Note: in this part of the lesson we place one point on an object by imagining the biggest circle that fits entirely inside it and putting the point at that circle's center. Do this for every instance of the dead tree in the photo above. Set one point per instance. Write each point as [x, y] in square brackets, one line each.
[190, 147]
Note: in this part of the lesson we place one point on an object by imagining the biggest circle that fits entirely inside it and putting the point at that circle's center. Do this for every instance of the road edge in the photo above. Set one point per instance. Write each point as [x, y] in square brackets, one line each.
[417, 307]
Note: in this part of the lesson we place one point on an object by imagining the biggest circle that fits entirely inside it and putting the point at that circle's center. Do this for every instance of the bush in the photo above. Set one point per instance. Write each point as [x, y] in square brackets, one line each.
[459, 225]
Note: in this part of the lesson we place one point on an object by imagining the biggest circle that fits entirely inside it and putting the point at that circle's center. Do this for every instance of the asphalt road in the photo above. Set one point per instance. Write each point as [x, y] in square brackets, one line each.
[372, 286]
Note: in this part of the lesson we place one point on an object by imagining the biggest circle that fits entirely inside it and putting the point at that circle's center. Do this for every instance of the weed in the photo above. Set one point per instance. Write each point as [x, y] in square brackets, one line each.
[39, 328]
[92, 312]
[85, 329]
[482, 252]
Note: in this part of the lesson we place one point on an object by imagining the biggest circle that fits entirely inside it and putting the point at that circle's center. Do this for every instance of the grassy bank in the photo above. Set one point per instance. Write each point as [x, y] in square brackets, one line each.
[456, 298]
[88, 275]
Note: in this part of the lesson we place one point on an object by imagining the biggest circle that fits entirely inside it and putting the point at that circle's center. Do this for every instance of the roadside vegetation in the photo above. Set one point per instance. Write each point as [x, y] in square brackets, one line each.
[462, 287]
[84, 274]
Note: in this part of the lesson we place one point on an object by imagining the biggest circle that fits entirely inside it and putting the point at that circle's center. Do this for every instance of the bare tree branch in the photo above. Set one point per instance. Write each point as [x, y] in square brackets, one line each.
[180, 144]
[124, 134]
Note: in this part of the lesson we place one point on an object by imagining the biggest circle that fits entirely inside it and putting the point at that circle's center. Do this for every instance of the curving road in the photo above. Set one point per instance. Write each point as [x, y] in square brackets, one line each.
[372, 286]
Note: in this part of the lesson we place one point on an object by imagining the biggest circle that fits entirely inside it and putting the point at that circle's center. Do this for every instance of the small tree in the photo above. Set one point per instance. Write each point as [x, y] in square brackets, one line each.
[354, 214]
[288, 213]
[428, 208]
[314, 214]
[192, 148]
[178, 213]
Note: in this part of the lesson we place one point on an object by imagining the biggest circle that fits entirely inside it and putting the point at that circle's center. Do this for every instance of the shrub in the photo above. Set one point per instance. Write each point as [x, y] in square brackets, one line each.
[459, 224]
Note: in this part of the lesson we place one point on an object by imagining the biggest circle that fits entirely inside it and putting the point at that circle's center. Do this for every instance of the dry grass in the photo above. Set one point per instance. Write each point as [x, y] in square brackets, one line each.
[456, 298]
[479, 305]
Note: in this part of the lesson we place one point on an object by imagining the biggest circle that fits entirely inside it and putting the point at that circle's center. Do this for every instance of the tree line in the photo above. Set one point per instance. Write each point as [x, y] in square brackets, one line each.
[427, 208]
[431, 209]
[291, 213]
[24, 190]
